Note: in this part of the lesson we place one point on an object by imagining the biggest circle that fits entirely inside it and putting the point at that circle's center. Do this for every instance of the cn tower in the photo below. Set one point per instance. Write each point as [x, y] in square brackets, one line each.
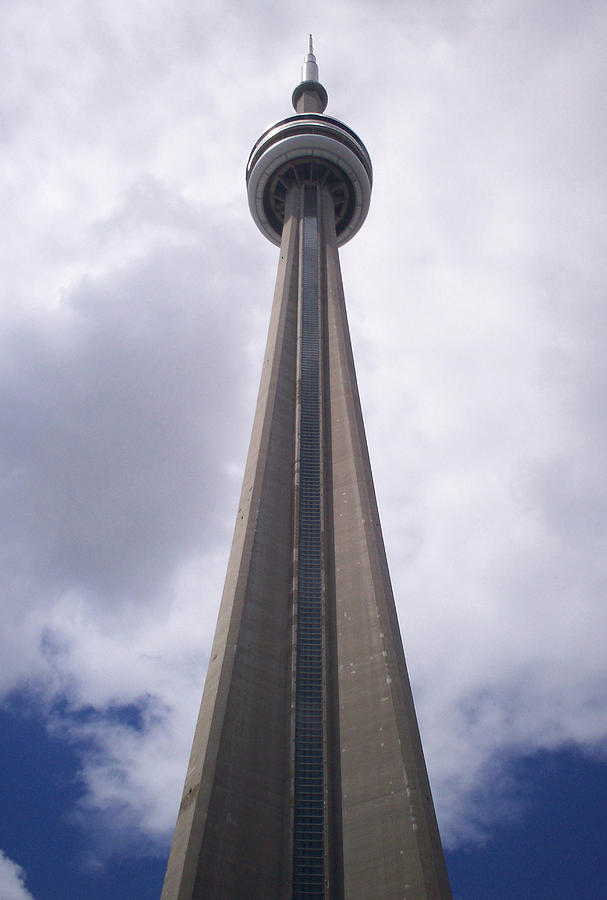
[307, 776]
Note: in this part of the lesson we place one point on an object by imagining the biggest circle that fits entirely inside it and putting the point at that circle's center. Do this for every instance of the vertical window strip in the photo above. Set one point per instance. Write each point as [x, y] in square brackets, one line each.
[308, 850]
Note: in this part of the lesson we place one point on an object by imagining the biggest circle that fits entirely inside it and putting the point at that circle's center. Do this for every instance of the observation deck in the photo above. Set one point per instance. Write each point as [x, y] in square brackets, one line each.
[309, 148]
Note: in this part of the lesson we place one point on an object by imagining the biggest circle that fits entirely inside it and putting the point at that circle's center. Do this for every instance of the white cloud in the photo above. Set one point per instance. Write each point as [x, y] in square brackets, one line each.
[12, 877]
[136, 294]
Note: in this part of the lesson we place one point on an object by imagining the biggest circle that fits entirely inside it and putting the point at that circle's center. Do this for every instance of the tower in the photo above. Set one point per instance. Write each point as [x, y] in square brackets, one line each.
[307, 777]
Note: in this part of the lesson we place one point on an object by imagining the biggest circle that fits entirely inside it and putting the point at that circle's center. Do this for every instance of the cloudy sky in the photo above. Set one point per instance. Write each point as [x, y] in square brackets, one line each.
[135, 299]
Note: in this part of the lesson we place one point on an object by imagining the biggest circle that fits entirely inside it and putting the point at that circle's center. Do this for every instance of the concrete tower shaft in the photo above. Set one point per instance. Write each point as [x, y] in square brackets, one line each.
[307, 777]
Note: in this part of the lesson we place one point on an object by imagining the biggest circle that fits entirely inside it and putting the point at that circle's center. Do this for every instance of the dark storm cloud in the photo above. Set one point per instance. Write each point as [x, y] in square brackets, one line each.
[118, 420]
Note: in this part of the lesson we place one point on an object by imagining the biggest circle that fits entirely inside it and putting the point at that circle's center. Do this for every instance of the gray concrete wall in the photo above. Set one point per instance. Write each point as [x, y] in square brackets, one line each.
[391, 845]
[233, 837]
[232, 831]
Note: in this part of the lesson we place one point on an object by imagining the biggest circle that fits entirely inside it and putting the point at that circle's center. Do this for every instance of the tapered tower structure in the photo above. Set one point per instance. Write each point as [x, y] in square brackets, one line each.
[307, 777]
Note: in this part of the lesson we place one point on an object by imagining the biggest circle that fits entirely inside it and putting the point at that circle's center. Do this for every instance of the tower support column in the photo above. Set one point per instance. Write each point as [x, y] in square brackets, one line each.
[307, 777]
[233, 836]
[390, 840]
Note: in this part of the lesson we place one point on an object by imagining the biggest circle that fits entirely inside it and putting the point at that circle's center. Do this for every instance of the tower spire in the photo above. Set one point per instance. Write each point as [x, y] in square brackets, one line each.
[309, 69]
[309, 96]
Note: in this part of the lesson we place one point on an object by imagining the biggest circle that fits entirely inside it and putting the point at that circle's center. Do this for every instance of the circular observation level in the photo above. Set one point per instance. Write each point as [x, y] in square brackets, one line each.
[309, 147]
